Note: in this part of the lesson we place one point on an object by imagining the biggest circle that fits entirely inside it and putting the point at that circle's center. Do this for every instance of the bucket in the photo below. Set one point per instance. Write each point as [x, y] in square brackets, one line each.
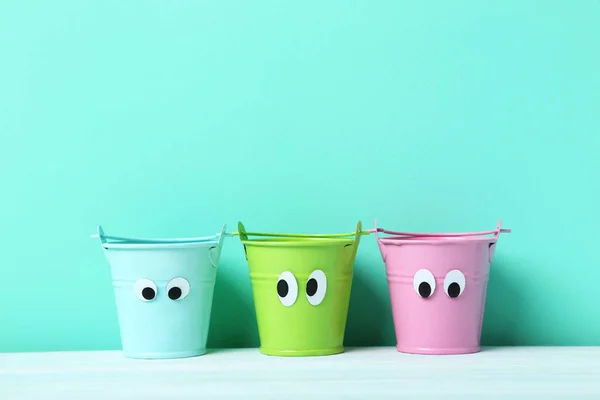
[437, 284]
[163, 292]
[301, 288]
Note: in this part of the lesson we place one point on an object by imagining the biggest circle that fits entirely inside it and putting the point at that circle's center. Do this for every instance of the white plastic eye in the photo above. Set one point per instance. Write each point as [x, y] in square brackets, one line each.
[287, 288]
[424, 283]
[144, 289]
[178, 288]
[316, 287]
[454, 283]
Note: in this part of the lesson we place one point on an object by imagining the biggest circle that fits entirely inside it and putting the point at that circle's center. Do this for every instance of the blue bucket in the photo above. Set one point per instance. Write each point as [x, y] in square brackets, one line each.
[163, 292]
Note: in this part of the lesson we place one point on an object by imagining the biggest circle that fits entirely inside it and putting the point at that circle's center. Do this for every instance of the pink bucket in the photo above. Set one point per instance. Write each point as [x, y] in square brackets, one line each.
[437, 284]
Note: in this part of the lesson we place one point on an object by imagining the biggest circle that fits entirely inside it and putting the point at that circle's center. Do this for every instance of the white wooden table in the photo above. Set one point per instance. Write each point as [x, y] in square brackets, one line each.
[360, 373]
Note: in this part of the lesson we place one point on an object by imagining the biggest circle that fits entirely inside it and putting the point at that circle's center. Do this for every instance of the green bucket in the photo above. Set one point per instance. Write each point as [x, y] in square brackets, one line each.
[301, 288]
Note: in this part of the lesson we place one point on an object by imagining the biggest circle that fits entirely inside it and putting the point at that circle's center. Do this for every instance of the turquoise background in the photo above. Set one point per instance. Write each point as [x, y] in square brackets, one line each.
[169, 118]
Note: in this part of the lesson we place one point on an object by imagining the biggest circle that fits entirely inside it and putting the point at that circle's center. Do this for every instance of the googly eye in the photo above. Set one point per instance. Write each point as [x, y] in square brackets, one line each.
[316, 287]
[178, 288]
[144, 289]
[424, 283]
[454, 283]
[287, 288]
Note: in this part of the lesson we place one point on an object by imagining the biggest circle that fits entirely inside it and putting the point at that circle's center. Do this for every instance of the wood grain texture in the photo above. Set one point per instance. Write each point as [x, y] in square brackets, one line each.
[360, 373]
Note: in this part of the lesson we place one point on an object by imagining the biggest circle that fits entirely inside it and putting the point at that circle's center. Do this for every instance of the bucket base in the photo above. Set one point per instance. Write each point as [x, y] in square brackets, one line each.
[453, 351]
[163, 356]
[301, 353]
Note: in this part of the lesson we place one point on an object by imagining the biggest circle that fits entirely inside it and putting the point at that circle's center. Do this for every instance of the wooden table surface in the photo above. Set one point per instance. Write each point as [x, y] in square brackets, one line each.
[359, 373]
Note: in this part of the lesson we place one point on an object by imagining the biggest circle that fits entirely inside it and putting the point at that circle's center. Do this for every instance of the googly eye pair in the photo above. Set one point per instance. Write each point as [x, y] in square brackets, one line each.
[177, 289]
[316, 287]
[424, 283]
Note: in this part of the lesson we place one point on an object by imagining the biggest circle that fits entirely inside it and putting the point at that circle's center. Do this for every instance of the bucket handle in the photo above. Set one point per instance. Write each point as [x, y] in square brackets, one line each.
[496, 232]
[104, 238]
[359, 232]
[218, 247]
[243, 234]
[100, 235]
[492, 246]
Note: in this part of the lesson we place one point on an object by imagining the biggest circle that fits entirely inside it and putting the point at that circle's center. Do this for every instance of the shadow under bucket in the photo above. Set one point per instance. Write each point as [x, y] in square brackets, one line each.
[163, 292]
[437, 284]
[301, 288]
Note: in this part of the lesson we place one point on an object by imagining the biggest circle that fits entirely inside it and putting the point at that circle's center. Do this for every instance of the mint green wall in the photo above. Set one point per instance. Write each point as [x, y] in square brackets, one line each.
[169, 118]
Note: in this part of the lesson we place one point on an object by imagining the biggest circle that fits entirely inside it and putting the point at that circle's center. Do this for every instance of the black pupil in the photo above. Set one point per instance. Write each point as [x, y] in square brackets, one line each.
[282, 288]
[311, 287]
[148, 293]
[174, 293]
[454, 290]
[424, 289]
